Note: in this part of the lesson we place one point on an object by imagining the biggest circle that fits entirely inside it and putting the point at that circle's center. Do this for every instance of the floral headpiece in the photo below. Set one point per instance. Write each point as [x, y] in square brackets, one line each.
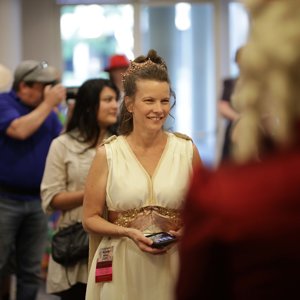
[134, 67]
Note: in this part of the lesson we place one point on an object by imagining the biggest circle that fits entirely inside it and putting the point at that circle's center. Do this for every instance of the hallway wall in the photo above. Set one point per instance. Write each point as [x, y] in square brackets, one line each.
[29, 29]
[41, 31]
[10, 33]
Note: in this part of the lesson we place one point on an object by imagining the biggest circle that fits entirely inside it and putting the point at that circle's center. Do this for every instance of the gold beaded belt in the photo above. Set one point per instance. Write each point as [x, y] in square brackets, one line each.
[148, 219]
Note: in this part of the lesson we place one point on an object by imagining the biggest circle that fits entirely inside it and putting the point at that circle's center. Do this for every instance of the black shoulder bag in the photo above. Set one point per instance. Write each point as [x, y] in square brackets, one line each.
[70, 245]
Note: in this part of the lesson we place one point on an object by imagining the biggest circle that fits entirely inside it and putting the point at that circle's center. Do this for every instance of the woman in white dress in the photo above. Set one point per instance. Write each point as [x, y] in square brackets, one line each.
[140, 178]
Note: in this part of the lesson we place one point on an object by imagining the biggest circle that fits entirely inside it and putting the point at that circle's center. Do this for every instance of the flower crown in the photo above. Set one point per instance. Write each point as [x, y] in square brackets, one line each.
[135, 67]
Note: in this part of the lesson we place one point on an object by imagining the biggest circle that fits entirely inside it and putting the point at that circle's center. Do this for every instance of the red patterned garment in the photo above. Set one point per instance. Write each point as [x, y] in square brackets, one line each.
[242, 234]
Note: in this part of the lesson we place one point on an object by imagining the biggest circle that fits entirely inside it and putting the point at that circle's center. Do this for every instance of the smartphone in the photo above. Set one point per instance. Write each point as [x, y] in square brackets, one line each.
[161, 239]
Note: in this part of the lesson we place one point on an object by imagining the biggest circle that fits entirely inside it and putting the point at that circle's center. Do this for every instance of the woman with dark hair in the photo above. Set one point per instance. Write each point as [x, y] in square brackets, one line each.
[67, 164]
[141, 178]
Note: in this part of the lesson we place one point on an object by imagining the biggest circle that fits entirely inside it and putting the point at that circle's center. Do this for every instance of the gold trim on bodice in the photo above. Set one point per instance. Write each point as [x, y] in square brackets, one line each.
[148, 219]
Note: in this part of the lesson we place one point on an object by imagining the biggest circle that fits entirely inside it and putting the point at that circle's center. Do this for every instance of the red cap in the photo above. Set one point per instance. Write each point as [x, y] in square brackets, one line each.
[117, 61]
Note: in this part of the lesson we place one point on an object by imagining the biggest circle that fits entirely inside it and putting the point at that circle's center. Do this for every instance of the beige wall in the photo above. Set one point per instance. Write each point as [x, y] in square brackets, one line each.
[41, 33]
[29, 29]
[10, 33]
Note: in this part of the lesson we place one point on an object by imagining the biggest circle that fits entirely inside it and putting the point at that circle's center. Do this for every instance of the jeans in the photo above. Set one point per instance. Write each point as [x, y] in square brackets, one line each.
[23, 229]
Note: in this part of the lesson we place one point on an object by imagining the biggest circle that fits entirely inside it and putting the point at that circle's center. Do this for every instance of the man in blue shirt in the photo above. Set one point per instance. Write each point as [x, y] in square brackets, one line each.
[28, 124]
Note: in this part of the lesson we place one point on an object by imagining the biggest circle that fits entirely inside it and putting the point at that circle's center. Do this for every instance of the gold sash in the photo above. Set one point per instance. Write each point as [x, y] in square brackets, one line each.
[148, 219]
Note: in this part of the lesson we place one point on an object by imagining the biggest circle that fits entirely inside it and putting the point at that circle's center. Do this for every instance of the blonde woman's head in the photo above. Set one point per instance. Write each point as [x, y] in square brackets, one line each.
[267, 93]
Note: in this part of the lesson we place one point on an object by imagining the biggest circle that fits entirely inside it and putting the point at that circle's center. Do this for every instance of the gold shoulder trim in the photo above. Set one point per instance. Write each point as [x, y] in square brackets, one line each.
[108, 140]
[183, 136]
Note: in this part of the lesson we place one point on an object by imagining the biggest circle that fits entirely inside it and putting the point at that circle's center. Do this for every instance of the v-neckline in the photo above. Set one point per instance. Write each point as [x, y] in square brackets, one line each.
[140, 164]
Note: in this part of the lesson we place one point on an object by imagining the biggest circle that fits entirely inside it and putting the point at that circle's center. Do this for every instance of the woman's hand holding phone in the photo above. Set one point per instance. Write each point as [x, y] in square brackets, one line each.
[143, 242]
[161, 239]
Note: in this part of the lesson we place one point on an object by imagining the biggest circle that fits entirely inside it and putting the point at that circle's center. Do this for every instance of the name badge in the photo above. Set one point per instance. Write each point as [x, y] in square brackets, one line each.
[104, 265]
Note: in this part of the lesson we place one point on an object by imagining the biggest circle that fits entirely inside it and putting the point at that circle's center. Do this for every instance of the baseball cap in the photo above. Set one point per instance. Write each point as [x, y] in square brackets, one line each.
[36, 71]
[117, 61]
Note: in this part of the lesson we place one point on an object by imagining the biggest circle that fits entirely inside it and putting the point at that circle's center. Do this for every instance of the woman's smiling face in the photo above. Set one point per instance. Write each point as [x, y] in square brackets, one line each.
[108, 108]
[151, 104]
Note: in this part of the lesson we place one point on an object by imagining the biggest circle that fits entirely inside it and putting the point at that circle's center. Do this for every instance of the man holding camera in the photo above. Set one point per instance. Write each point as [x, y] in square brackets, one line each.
[28, 124]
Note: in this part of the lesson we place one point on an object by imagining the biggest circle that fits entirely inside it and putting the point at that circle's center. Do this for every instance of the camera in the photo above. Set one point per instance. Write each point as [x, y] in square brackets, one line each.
[72, 92]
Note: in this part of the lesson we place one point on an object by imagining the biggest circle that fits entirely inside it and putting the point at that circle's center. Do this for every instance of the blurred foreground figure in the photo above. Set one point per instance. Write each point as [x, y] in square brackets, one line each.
[242, 221]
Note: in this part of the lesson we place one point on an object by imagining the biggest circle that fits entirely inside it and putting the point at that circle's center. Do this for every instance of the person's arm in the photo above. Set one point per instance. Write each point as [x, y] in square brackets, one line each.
[94, 203]
[54, 183]
[23, 127]
[224, 106]
[67, 200]
[227, 111]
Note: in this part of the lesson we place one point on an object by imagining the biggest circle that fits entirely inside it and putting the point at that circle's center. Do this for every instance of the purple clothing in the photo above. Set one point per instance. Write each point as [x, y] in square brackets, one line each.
[22, 161]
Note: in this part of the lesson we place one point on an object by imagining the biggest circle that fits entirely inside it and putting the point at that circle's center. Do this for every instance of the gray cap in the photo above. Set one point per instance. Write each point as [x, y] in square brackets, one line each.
[36, 71]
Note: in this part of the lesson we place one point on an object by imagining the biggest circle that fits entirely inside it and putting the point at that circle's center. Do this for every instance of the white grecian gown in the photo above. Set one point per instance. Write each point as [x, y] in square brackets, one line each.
[138, 275]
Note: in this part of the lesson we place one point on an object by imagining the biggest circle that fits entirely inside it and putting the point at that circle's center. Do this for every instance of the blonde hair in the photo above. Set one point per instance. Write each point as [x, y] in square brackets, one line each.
[268, 88]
